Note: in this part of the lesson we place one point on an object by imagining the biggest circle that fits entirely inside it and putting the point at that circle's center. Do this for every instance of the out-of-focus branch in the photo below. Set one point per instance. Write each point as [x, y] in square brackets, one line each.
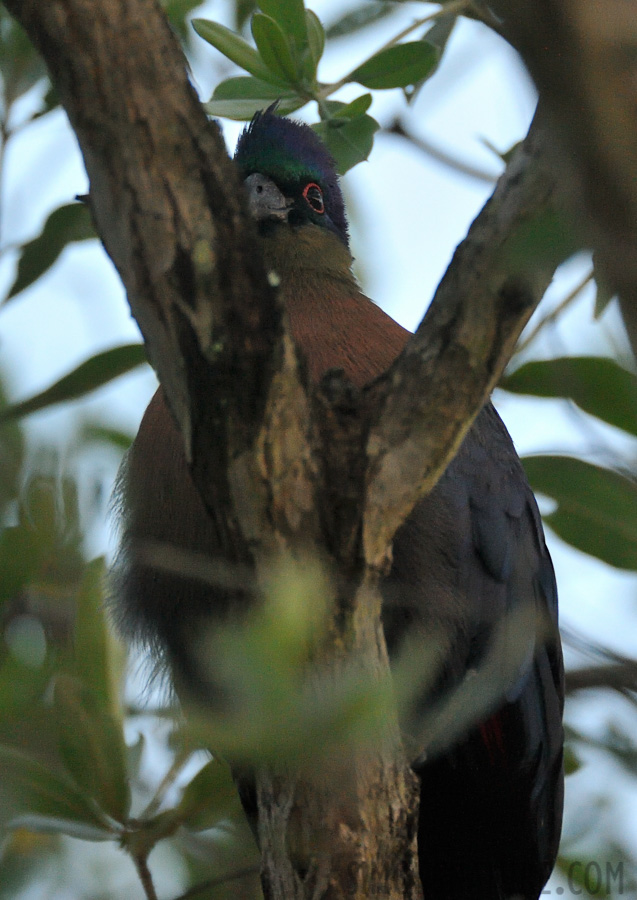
[555, 313]
[620, 676]
[583, 58]
[442, 156]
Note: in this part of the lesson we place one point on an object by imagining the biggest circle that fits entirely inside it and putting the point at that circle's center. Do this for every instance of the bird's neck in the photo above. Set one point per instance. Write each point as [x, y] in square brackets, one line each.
[334, 324]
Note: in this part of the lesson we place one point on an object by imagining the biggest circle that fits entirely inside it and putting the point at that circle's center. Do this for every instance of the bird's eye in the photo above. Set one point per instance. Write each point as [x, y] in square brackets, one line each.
[314, 196]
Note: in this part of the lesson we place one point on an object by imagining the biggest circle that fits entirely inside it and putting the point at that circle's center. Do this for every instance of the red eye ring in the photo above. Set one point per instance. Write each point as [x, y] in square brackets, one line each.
[314, 196]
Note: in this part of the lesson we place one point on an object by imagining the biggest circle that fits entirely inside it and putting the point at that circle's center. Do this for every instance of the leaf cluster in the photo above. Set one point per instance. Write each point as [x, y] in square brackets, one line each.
[596, 505]
[282, 66]
[65, 766]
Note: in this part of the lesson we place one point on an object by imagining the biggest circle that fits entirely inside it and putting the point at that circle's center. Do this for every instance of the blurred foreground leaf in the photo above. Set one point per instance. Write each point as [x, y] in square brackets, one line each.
[548, 237]
[88, 716]
[278, 706]
[92, 746]
[100, 659]
[210, 797]
[36, 798]
[12, 448]
[96, 433]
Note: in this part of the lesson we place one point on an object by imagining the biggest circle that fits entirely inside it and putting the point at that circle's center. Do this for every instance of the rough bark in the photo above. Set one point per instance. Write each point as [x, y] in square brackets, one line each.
[265, 451]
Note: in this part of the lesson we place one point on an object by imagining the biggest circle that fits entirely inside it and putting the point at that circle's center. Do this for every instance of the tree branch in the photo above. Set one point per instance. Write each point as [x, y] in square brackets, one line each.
[431, 395]
[171, 213]
[620, 676]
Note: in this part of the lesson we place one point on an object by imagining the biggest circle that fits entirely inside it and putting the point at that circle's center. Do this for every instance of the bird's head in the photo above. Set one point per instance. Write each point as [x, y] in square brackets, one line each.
[290, 176]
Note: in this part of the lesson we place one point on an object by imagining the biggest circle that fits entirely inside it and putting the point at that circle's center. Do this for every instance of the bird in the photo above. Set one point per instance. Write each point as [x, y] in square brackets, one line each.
[467, 556]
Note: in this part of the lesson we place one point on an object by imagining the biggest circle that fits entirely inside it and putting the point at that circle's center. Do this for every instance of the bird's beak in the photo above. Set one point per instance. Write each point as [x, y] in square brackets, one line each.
[265, 200]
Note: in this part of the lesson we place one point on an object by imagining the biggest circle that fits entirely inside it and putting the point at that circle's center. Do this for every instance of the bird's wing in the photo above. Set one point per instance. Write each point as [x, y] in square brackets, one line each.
[471, 555]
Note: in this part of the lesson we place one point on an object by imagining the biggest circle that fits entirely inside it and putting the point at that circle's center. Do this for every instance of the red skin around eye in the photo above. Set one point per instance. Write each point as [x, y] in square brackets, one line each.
[312, 201]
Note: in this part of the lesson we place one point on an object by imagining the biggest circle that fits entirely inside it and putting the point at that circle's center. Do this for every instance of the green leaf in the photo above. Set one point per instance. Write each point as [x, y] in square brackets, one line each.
[290, 17]
[315, 37]
[88, 376]
[96, 433]
[22, 66]
[440, 32]
[438, 36]
[50, 101]
[243, 110]
[276, 711]
[64, 225]
[134, 754]
[243, 10]
[238, 110]
[36, 798]
[176, 12]
[605, 292]
[357, 107]
[596, 384]
[597, 508]
[12, 448]
[397, 66]
[274, 48]
[546, 238]
[20, 553]
[366, 14]
[245, 87]
[235, 48]
[210, 797]
[572, 762]
[92, 746]
[239, 98]
[349, 142]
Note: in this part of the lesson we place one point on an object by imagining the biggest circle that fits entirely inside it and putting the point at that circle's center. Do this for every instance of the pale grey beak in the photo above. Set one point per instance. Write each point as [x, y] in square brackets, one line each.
[265, 200]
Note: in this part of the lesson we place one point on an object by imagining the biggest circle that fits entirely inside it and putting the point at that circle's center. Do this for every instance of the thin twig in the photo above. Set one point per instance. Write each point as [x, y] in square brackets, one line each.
[618, 676]
[441, 156]
[141, 864]
[167, 781]
[5, 134]
[455, 6]
[555, 313]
